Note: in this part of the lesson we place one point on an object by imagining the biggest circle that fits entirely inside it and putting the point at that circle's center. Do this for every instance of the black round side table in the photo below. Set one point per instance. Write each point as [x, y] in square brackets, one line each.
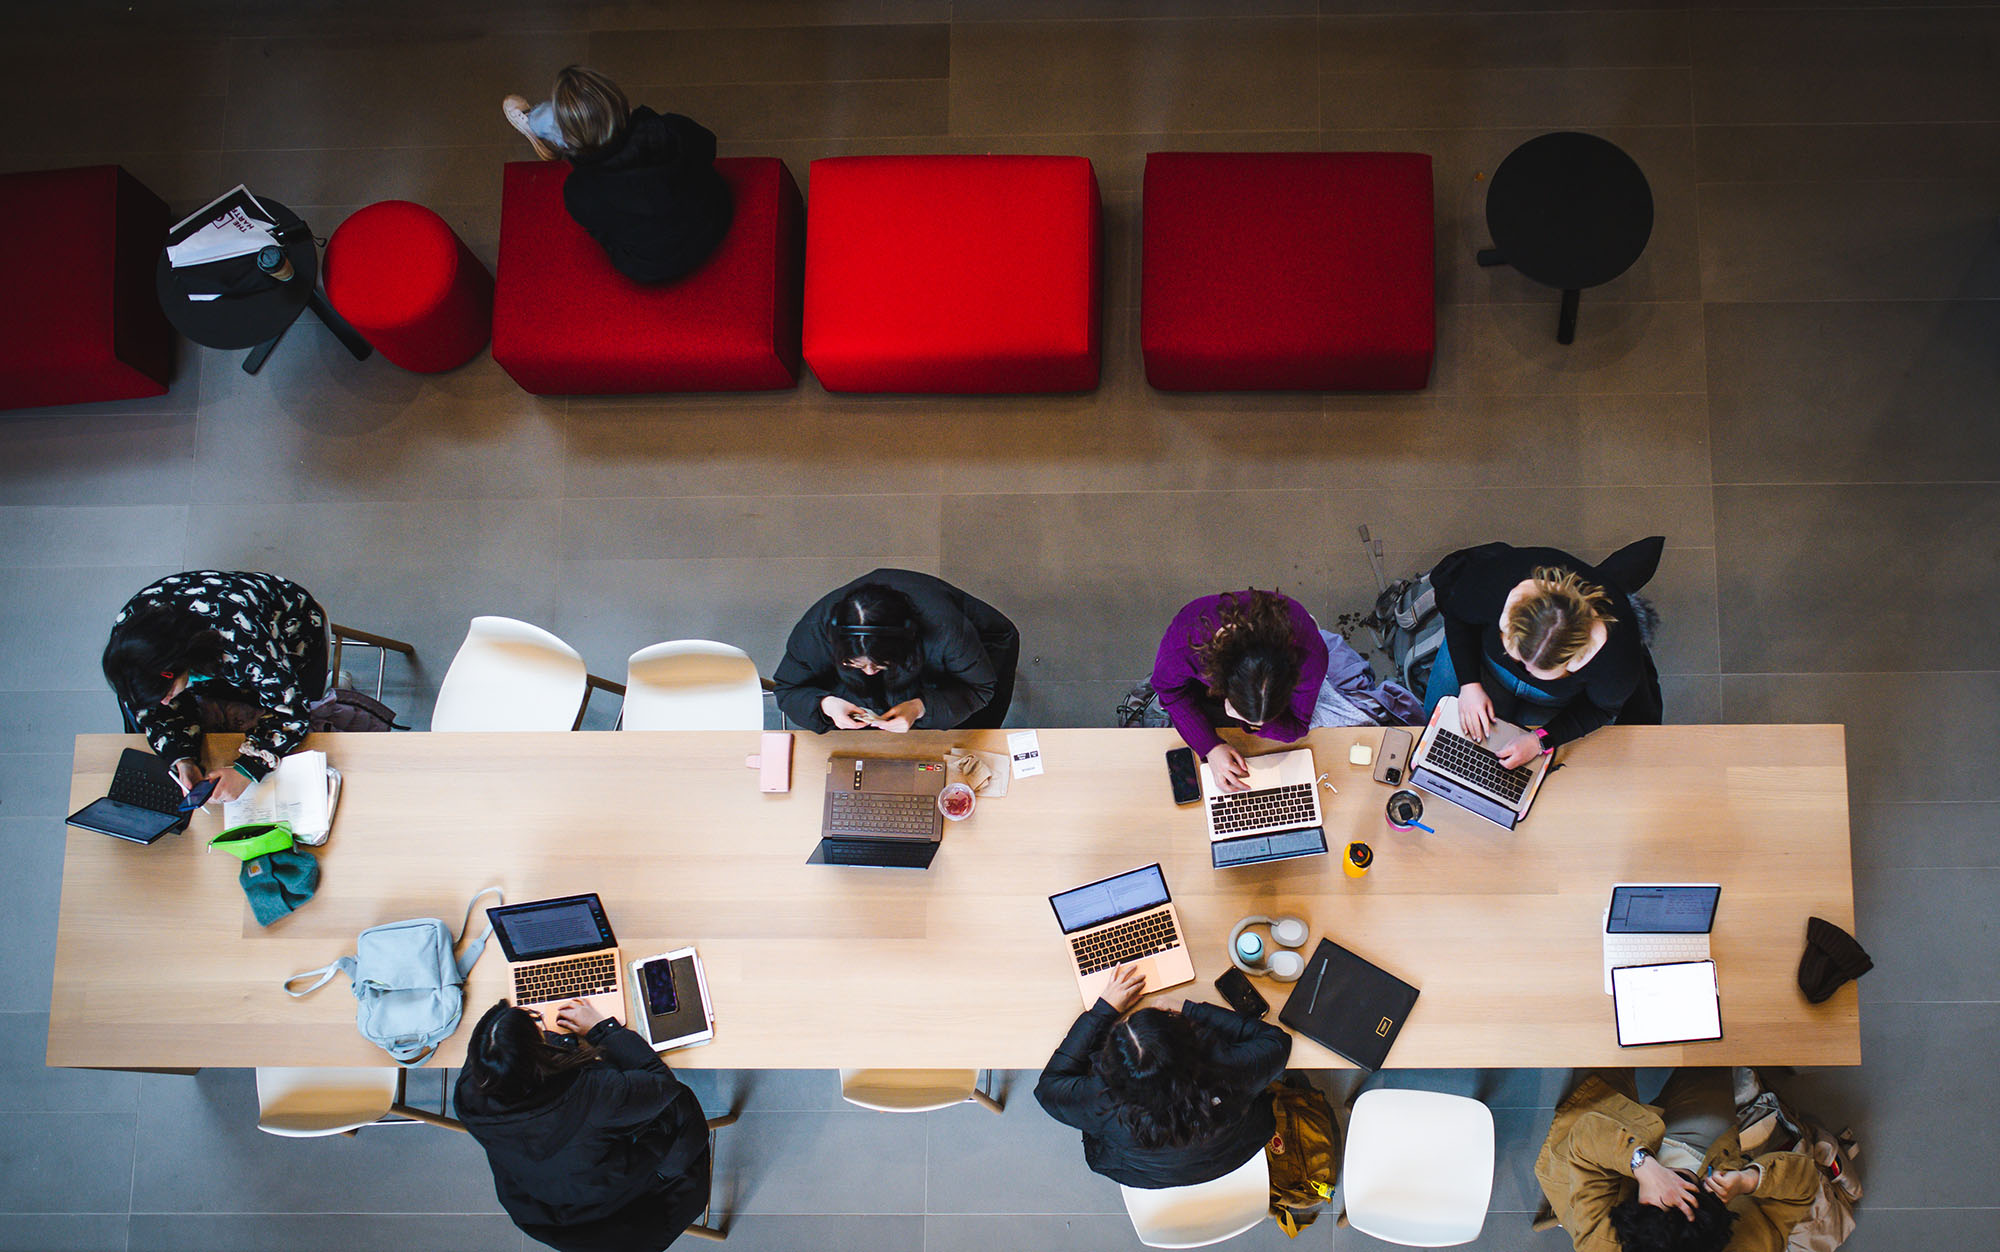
[259, 320]
[1570, 211]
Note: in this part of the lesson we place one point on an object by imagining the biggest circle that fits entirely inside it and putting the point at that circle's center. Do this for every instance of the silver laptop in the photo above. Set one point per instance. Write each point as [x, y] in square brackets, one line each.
[1469, 774]
[1127, 919]
[561, 949]
[1276, 819]
[1658, 923]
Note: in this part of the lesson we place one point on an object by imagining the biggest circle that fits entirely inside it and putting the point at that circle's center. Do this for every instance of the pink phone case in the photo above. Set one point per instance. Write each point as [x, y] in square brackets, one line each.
[774, 763]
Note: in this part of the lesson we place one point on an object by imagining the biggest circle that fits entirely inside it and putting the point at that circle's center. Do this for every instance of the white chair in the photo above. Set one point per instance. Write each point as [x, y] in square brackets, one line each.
[308, 1103]
[1418, 1168]
[914, 1090]
[509, 675]
[692, 684]
[1205, 1213]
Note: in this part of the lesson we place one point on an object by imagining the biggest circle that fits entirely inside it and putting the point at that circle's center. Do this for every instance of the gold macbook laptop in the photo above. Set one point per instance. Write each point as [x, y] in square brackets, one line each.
[1127, 919]
[560, 950]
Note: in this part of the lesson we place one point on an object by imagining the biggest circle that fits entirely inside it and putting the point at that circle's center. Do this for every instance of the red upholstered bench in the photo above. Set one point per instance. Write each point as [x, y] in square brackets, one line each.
[566, 323]
[402, 277]
[954, 274]
[1310, 271]
[79, 321]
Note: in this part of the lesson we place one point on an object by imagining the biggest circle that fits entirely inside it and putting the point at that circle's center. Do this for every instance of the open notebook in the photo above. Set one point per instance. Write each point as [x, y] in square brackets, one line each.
[303, 793]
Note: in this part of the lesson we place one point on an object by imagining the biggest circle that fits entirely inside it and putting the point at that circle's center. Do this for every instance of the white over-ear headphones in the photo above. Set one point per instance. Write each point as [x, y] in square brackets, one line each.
[1278, 959]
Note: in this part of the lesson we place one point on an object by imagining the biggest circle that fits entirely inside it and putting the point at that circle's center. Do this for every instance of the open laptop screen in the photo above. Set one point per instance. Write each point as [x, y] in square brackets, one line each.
[1662, 910]
[545, 928]
[1109, 898]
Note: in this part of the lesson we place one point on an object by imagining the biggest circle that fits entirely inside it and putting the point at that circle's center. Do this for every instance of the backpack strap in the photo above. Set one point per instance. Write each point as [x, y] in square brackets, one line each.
[475, 949]
[345, 965]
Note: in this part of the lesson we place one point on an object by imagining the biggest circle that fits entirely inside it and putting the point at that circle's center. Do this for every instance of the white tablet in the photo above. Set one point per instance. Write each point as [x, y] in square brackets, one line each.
[1673, 1003]
[670, 992]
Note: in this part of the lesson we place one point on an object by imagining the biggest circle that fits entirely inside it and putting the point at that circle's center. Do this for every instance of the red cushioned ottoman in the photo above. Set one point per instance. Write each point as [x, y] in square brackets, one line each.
[401, 275]
[566, 323]
[79, 321]
[953, 274]
[1288, 271]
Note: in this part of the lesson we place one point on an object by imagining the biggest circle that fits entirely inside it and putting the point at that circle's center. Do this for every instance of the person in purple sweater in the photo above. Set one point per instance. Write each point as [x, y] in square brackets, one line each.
[1247, 658]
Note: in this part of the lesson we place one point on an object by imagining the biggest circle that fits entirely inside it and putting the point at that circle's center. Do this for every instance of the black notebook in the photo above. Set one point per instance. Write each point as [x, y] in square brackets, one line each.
[1350, 1005]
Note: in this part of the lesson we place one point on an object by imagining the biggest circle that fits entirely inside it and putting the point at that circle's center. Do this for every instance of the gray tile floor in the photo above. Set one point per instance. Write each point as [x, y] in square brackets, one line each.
[1796, 385]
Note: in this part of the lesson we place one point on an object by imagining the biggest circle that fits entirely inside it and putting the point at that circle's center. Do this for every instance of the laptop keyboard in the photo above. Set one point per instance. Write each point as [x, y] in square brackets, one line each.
[884, 853]
[1456, 754]
[1290, 805]
[865, 814]
[146, 790]
[593, 973]
[1128, 941]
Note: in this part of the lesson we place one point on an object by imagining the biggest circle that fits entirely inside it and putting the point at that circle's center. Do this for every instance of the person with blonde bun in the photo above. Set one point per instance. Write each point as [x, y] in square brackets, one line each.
[1536, 637]
[643, 184]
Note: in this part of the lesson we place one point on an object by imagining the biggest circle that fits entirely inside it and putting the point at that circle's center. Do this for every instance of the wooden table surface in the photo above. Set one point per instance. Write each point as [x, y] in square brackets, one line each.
[159, 963]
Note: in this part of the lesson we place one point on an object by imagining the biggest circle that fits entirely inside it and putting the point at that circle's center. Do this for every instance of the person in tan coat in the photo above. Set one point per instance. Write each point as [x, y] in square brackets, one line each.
[1622, 1176]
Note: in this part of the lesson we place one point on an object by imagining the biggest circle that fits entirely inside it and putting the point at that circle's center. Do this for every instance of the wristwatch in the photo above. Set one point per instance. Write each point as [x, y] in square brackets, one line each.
[1639, 1154]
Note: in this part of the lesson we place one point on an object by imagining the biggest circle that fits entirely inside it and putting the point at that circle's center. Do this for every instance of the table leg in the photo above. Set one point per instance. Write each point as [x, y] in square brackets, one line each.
[261, 353]
[1490, 257]
[349, 337]
[1566, 322]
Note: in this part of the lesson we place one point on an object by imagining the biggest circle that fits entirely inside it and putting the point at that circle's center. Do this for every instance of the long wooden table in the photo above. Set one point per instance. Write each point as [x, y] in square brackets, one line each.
[159, 963]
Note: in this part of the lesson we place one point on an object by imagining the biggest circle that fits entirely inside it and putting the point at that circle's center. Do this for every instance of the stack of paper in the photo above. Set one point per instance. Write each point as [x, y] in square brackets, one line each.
[302, 792]
[233, 225]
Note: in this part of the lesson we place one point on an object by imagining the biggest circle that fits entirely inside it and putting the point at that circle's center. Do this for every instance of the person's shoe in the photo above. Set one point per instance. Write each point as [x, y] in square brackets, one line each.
[515, 109]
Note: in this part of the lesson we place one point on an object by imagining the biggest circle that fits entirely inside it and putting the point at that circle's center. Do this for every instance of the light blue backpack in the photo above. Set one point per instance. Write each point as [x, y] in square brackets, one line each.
[409, 988]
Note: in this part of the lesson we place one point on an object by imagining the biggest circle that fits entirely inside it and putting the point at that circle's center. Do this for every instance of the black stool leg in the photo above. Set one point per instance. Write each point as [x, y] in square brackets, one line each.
[262, 353]
[1566, 322]
[1490, 257]
[349, 337]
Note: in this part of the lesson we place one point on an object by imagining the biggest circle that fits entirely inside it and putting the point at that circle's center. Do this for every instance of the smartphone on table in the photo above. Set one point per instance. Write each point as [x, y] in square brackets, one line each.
[1392, 759]
[1236, 988]
[659, 979]
[1183, 775]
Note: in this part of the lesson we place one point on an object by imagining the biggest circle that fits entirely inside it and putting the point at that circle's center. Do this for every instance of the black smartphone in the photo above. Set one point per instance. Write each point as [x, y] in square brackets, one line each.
[197, 795]
[1183, 775]
[659, 979]
[1244, 998]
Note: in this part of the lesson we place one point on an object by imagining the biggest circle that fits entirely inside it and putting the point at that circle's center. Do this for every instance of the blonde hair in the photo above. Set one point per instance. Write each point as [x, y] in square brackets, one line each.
[1551, 625]
[590, 110]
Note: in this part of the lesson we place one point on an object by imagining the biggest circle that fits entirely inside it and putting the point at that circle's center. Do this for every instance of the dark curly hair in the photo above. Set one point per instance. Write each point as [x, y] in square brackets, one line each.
[1248, 655]
[1646, 1228]
[1155, 1066]
[152, 647]
[509, 1059]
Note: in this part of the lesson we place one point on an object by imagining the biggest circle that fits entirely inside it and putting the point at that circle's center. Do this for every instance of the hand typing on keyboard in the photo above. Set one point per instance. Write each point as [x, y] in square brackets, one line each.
[1232, 772]
[572, 1017]
[1126, 988]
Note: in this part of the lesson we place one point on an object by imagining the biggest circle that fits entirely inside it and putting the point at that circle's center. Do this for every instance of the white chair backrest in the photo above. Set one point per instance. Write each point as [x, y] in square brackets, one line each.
[509, 675]
[1205, 1213]
[1418, 1169]
[307, 1103]
[692, 684]
[907, 1090]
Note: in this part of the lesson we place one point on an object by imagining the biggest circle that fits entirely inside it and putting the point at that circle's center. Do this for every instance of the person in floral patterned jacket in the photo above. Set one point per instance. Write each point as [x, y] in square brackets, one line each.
[249, 637]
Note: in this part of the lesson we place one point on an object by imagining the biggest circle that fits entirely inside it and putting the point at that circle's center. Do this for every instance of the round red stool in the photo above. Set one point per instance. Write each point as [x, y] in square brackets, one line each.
[409, 284]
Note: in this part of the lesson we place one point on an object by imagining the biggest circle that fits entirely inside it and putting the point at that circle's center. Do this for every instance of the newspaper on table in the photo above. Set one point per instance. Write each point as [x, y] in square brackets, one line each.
[234, 224]
[303, 792]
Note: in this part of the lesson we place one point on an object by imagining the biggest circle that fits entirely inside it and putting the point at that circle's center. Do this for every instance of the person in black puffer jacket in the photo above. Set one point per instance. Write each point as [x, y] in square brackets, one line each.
[595, 1145]
[642, 183]
[1164, 1098]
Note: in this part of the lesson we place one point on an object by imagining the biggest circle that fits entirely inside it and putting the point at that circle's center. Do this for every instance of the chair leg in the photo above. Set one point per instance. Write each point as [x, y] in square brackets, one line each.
[705, 1232]
[402, 1109]
[717, 1123]
[988, 1102]
[383, 645]
[592, 682]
